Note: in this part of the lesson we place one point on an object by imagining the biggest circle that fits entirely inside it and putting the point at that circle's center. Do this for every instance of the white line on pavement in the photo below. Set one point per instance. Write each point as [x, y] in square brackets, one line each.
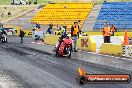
[109, 56]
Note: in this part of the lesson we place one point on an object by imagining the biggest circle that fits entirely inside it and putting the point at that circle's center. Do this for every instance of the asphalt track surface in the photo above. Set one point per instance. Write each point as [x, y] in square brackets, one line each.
[35, 69]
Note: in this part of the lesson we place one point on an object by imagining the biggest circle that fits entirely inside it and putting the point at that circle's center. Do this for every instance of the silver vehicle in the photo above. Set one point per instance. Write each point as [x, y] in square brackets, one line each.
[18, 2]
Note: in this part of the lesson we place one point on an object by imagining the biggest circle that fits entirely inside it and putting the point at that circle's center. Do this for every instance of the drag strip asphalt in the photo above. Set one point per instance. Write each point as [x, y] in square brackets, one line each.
[37, 69]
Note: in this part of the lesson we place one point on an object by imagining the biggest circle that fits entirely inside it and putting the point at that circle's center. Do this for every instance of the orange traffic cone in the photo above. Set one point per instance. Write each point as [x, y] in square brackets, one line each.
[126, 40]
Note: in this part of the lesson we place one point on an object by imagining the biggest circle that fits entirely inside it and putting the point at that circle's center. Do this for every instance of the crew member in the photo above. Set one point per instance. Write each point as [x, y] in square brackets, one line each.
[106, 33]
[21, 35]
[38, 26]
[33, 33]
[80, 26]
[75, 35]
[112, 30]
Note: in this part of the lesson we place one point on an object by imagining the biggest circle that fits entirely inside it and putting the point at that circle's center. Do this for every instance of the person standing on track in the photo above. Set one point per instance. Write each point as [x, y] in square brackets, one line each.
[80, 26]
[49, 31]
[33, 33]
[113, 29]
[21, 35]
[106, 33]
[75, 35]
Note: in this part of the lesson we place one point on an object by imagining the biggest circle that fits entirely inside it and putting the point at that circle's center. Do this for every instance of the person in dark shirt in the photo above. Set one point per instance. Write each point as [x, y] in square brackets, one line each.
[21, 35]
[49, 31]
[9, 13]
[38, 26]
[75, 35]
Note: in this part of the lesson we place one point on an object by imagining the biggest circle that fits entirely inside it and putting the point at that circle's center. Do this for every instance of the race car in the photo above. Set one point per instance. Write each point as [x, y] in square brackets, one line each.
[3, 38]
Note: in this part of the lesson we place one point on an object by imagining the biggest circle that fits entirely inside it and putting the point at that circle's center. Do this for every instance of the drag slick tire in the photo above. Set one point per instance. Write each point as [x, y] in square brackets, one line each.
[3, 40]
[69, 56]
[68, 49]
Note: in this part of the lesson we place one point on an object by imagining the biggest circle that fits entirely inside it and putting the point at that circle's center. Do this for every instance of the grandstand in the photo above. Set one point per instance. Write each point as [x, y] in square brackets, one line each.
[91, 18]
[15, 11]
[117, 13]
[43, 2]
[63, 13]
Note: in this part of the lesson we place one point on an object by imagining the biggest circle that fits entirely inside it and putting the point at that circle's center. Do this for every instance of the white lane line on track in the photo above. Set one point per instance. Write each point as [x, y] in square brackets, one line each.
[50, 60]
[1, 85]
[123, 58]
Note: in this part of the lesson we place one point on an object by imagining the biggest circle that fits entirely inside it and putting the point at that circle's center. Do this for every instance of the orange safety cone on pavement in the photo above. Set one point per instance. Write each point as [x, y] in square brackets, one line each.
[126, 39]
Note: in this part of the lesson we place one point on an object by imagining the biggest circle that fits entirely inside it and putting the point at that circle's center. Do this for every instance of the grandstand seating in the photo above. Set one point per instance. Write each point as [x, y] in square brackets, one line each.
[62, 13]
[117, 13]
[15, 11]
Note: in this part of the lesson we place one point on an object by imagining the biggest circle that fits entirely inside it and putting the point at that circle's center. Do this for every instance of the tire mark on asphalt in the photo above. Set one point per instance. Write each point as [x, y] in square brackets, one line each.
[41, 65]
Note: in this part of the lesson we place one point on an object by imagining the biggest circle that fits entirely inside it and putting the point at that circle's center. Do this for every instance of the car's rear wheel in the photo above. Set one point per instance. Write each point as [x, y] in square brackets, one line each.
[3, 40]
[69, 55]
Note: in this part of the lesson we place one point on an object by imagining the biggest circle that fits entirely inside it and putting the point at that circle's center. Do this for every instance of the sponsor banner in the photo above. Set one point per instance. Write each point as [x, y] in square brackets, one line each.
[27, 32]
[9, 31]
[84, 42]
[57, 32]
[128, 51]
[110, 78]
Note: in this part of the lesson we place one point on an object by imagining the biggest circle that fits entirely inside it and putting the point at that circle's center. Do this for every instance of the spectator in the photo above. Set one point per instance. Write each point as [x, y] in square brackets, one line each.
[9, 13]
[49, 31]
[20, 3]
[26, 2]
[35, 3]
[59, 27]
[75, 35]
[33, 33]
[106, 33]
[65, 6]
[64, 32]
[30, 2]
[38, 26]
[51, 25]
[21, 35]
[5, 7]
[2, 14]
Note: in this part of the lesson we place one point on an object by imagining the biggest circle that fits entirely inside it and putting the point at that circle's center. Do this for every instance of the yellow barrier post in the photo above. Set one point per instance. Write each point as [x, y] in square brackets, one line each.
[86, 43]
[111, 49]
[51, 39]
